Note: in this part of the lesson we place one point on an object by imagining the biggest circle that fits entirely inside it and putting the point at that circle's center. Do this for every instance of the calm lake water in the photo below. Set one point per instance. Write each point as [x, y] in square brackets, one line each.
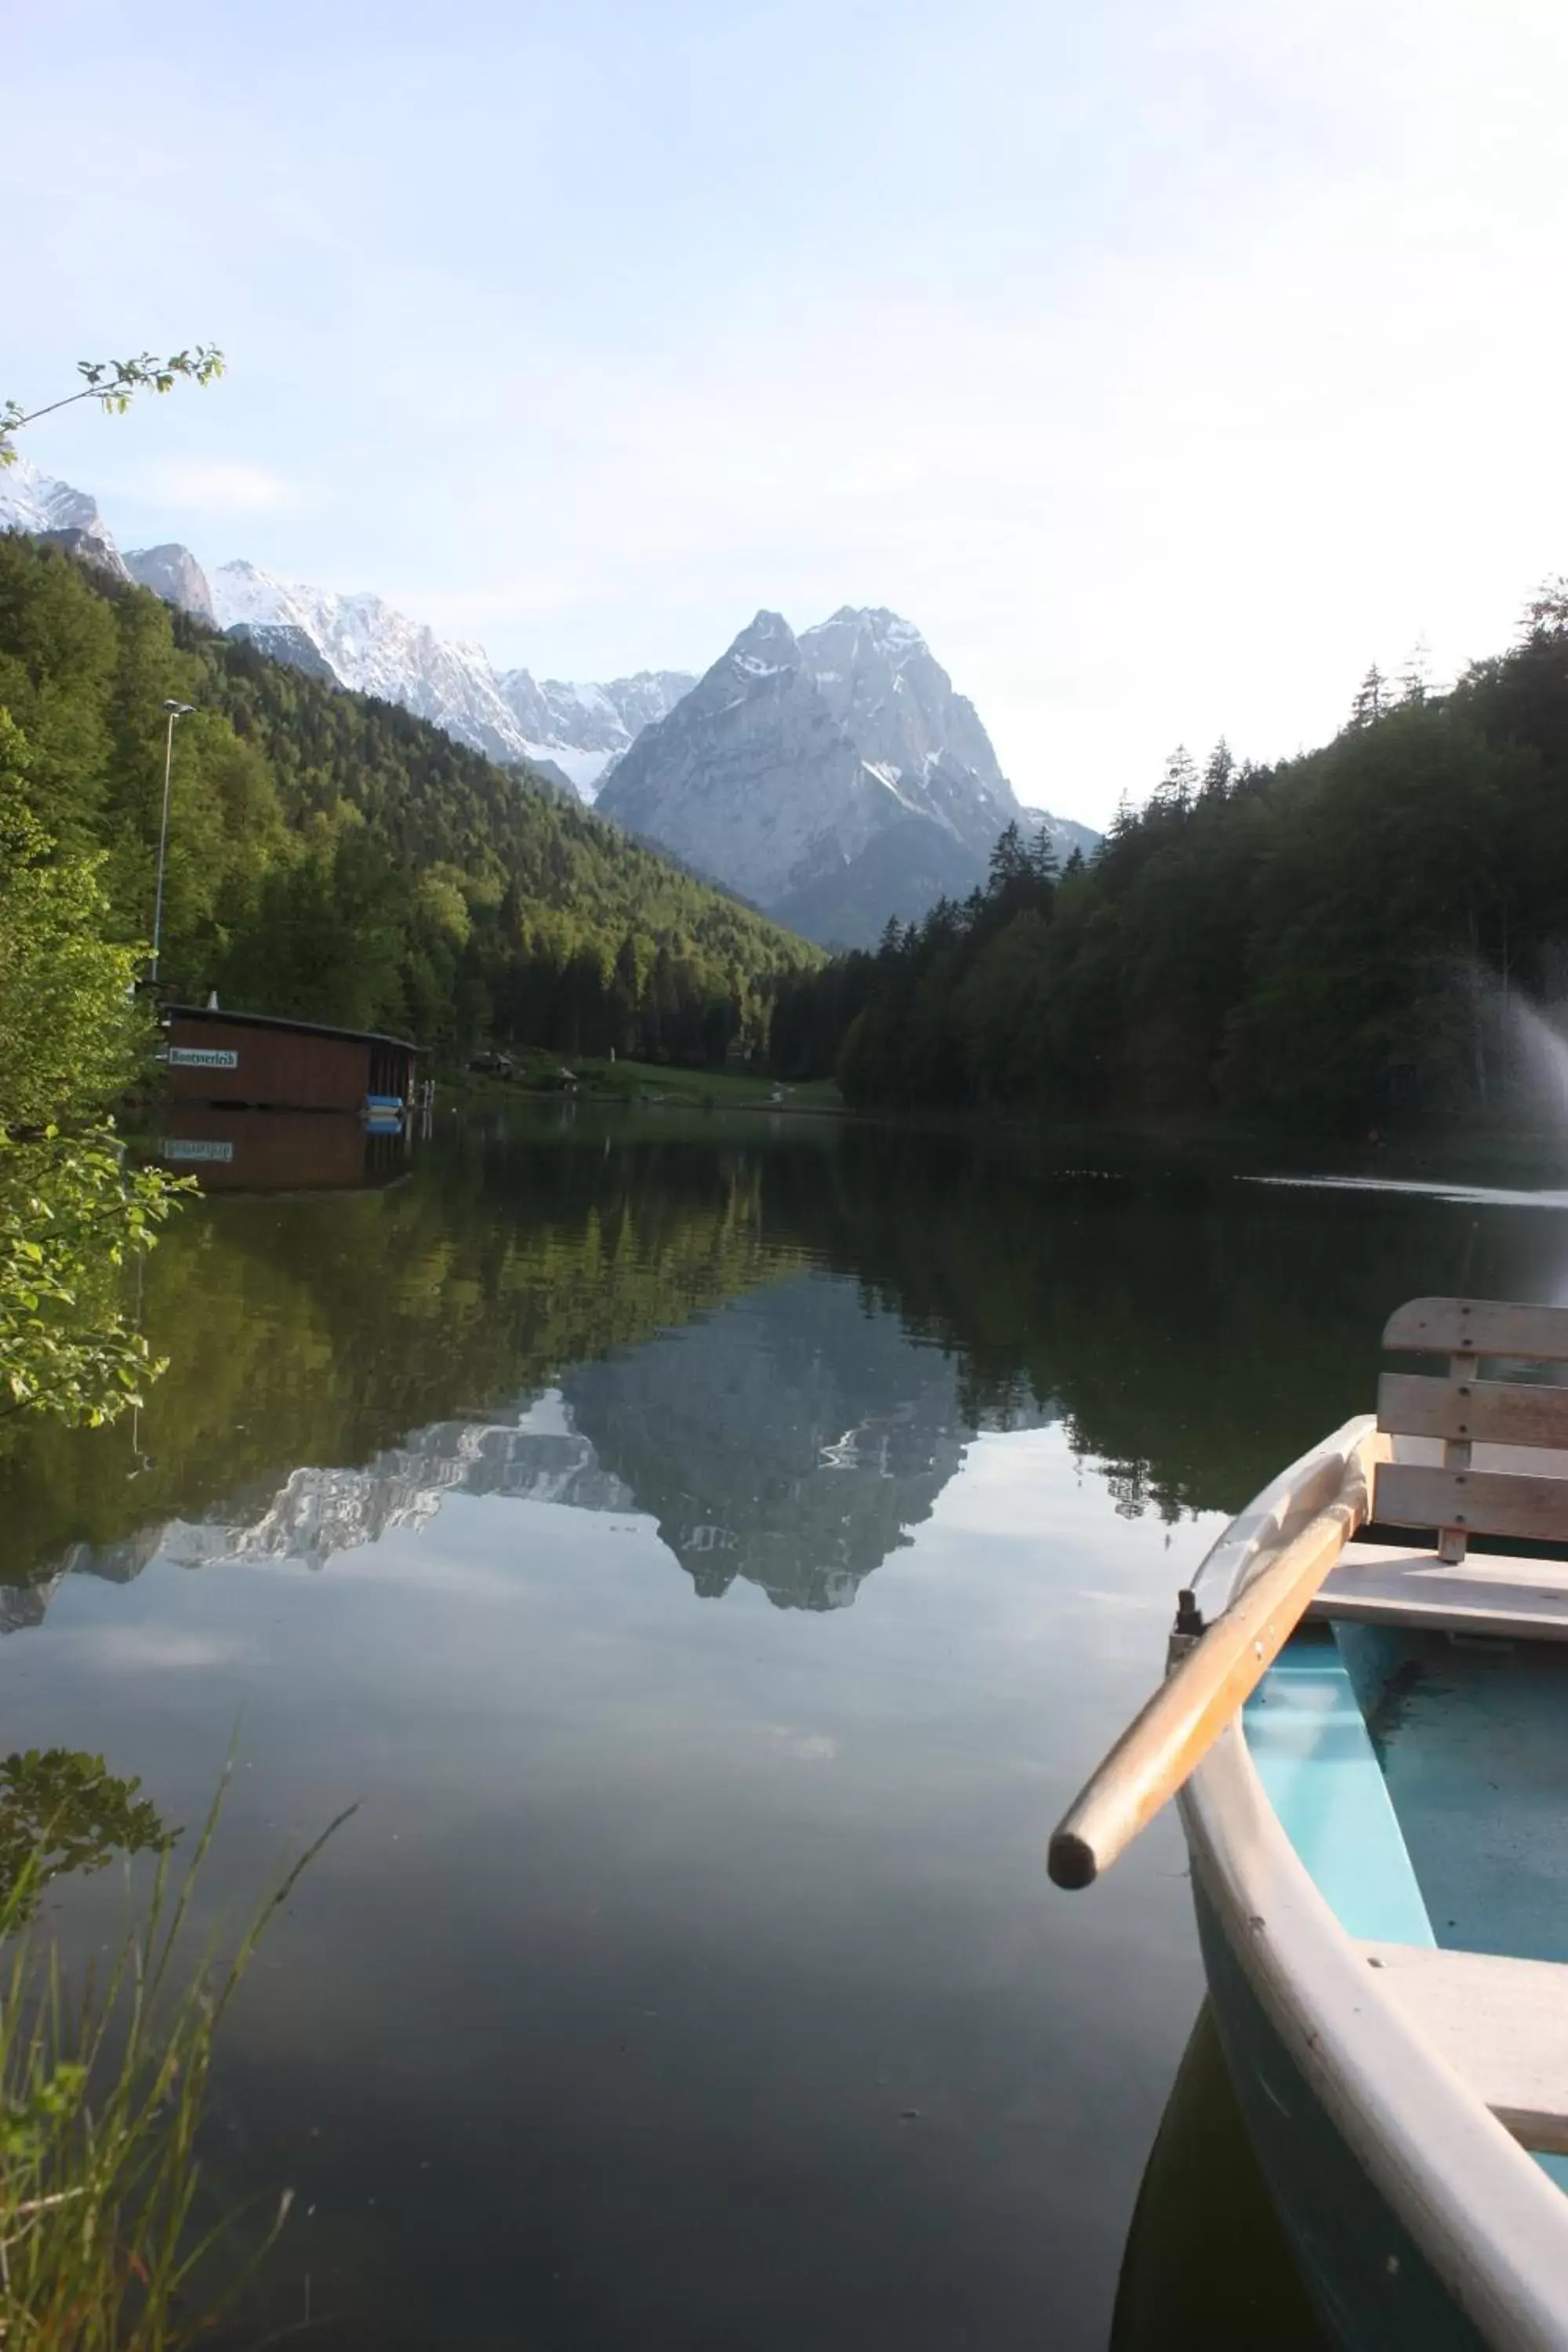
[710, 1553]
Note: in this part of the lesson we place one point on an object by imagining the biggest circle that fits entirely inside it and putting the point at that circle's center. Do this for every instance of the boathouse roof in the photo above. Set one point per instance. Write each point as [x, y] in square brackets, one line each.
[221, 1015]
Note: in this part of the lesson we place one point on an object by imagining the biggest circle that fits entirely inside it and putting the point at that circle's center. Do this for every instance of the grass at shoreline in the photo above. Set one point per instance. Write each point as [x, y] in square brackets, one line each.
[536, 1075]
[103, 2083]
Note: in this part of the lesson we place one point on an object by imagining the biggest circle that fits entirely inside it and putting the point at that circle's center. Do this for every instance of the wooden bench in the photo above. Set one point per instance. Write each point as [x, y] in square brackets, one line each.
[1495, 1464]
[1501, 2024]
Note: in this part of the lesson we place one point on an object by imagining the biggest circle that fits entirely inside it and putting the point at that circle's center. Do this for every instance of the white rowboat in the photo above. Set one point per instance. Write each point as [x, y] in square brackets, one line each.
[1365, 1722]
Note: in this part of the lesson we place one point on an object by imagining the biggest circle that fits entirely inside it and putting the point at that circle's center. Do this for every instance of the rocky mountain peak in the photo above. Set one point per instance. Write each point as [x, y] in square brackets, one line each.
[797, 761]
[765, 650]
[172, 572]
[762, 665]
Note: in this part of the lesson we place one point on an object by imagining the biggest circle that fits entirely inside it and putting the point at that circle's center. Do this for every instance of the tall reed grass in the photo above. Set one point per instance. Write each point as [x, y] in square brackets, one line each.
[103, 2243]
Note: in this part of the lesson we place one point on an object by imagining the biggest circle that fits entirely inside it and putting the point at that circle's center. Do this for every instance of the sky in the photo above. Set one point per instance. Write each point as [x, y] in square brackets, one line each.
[1167, 362]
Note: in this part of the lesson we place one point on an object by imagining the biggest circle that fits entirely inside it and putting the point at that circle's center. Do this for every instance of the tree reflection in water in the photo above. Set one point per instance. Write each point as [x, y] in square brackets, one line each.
[339, 1362]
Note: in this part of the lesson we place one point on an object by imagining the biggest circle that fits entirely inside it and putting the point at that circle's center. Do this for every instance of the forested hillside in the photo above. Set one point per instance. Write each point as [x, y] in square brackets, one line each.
[334, 858]
[1328, 942]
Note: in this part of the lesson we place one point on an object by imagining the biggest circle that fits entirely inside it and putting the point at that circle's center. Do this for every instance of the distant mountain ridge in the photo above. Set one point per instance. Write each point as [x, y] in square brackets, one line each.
[376, 650]
[835, 780]
[569, 731]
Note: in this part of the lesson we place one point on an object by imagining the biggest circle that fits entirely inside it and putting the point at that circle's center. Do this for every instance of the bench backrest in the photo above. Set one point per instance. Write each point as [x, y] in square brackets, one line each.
[1464, 1410]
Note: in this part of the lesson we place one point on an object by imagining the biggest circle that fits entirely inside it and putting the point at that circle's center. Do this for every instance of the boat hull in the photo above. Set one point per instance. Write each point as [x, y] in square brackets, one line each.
[1372, 2286]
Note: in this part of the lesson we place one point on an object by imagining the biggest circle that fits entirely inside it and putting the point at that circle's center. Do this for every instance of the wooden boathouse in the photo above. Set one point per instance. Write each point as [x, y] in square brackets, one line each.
[254, 1061]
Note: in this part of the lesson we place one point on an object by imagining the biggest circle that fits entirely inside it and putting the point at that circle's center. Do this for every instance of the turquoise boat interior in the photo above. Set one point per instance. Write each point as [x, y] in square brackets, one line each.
[1422, 1778]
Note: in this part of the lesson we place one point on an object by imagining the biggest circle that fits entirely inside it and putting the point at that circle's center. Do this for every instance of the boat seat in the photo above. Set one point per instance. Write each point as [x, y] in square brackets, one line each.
[1501, 2024]
[1467, 1456]
[1495, 1593]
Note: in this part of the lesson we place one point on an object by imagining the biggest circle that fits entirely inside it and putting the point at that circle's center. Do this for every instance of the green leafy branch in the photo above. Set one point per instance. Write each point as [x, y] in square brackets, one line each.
[113, 383]
[71, 1213]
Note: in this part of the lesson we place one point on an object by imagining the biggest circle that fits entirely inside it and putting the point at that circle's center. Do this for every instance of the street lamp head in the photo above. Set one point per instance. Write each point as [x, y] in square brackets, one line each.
[179, 709]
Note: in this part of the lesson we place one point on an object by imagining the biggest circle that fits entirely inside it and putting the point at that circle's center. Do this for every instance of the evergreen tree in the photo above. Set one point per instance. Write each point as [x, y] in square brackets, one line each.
[1415, 672]
[1009, 858]
[1174, 793]
[1219, 771]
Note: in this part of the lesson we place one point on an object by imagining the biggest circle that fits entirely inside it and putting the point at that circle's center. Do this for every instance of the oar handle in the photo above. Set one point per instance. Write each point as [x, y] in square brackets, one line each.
[1202, 1693]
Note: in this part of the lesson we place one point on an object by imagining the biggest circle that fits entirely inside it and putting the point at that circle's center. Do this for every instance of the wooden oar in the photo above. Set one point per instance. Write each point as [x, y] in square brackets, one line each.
[1203, 1692]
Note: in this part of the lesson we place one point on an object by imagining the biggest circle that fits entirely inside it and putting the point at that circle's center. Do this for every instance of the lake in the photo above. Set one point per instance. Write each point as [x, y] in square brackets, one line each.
[709, 1552]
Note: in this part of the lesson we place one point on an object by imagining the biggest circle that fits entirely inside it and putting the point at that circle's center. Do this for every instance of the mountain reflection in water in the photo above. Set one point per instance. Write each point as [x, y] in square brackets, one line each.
[788, 1438]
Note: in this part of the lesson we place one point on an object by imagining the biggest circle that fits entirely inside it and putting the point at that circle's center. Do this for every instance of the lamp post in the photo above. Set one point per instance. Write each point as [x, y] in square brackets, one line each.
[176, 710]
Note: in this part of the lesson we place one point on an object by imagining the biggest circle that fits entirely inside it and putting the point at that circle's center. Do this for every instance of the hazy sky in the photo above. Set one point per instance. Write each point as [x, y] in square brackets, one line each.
[1166, 361]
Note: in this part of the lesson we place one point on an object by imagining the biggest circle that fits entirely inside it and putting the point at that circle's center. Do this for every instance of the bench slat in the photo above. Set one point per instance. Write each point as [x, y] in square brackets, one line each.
[1479, 1502]
[1479, 1327]
[1501, 2024]
[1492, 1412]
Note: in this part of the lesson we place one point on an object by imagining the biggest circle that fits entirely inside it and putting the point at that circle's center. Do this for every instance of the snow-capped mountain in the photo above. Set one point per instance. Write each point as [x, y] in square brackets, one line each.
[571, 732]
[35, 503]
[375, 650]
[836, 779]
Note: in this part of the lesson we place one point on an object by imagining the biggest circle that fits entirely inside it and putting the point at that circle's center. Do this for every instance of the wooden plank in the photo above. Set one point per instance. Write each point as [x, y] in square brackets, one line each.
[1200, 1696]
[1479, 1502]
[1489, 1592]
[1479, 1327]
[1490, 1412]
[1501, 2024]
